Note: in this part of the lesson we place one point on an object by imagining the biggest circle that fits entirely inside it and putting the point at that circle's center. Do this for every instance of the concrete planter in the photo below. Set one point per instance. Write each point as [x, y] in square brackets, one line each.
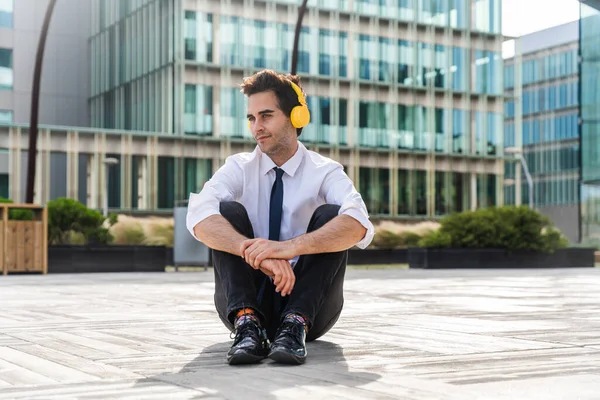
[377, 256]
[80, 259]
[498, 258]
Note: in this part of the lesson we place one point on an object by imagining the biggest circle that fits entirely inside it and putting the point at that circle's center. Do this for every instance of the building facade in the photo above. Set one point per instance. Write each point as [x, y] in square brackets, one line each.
[407, 95]
[589, 43]
[549, 134]
[65, 79]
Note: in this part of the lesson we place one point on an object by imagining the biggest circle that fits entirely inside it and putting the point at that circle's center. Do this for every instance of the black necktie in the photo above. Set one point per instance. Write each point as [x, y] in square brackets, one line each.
[276, 205]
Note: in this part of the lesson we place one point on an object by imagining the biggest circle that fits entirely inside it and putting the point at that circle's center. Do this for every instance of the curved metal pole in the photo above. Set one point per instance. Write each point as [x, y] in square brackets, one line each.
[529, 181]
[35, 101]
[301, 12]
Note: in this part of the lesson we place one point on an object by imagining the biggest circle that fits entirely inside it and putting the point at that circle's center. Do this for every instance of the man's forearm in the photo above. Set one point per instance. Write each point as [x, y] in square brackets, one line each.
[339, 234]
[218, 234]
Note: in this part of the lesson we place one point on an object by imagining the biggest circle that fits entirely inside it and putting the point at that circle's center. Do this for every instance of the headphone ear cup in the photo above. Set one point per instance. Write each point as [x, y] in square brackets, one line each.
[300, 116]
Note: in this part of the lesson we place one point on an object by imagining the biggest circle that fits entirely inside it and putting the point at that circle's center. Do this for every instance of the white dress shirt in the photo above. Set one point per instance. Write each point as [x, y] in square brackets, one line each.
[310, 180]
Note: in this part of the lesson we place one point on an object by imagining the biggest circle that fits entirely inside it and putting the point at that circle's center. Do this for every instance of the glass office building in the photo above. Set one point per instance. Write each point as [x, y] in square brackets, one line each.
[589, 25]
[549, 133]
[407, 95]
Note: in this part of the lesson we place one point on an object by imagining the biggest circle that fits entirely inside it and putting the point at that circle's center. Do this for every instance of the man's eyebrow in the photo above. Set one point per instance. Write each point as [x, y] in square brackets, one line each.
[261, 112]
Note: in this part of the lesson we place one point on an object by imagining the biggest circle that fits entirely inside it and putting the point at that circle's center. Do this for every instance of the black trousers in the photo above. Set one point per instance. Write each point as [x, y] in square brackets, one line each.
[317, 293]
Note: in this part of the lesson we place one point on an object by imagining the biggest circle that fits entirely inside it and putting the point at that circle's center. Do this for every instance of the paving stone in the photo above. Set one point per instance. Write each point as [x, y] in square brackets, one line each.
[407, 334]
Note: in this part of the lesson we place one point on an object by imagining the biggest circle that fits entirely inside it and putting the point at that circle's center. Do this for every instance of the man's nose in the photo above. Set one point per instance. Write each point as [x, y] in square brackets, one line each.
[256, 126]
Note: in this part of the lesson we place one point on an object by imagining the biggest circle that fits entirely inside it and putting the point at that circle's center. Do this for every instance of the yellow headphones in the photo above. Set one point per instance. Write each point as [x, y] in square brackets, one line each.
[300, 116]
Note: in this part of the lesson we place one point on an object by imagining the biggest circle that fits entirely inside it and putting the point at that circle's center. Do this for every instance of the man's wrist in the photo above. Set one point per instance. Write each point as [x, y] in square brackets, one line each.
[299, 244]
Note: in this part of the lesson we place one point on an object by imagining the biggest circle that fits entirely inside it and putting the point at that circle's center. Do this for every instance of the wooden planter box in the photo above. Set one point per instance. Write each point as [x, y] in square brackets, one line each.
[498, 258]
[23, 244]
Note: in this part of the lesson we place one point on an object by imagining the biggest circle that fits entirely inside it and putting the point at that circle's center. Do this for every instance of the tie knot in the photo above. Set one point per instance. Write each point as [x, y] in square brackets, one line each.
[278, 172]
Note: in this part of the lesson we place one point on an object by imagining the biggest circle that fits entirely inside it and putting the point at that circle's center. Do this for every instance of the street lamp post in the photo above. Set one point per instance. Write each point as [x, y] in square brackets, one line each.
[301, 12]
[519, 154]
[109, 162]
[35, 102]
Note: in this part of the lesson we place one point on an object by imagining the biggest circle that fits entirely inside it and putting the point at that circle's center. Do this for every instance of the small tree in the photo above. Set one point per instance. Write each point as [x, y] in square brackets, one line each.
[68, 215]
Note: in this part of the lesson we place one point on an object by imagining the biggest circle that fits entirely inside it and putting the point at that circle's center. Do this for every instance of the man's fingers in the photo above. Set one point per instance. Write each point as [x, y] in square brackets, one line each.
[245, 244]
[291, 280]
[251, 254]
[262, 256]
[290, 283]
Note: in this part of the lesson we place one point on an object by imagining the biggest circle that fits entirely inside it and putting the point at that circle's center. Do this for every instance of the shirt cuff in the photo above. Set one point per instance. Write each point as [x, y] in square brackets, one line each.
[364, 221]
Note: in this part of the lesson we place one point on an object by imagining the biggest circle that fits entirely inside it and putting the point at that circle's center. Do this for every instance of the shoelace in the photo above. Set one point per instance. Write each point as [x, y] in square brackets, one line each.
[292, 330]
[241, 332]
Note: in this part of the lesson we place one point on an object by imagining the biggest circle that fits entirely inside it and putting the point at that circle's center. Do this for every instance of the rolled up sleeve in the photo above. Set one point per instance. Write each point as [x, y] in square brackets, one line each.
[225, 185]
[340, 190]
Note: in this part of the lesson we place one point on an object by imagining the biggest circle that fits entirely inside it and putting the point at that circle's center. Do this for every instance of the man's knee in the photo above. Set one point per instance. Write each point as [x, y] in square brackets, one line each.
[322, 215]
[237, 216]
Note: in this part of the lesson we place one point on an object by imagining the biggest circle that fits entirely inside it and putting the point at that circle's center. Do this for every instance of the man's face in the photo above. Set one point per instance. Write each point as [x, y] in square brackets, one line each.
[271, 128]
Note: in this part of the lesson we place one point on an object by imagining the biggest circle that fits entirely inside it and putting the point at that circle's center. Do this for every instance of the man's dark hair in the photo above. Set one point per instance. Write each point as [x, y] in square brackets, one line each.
[269, 80]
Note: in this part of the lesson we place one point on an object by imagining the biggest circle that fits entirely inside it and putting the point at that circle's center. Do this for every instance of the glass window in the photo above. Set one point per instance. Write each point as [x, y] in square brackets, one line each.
[421, 192]
[404, 192]
[457, 13]
[442, 187]
[460, 131]
[198, 36]
[368, 57]
[332, 53]
[406, 126]
[6, 13]
[486, 16]
[114, 182]
[387, 59]
[440, 129]
[459, 192]
[198, 109]
[233, 113]
[406, 62]
[440, 68]
[6, 117]
[373, 122]
[458, 69]
[197, 173]
[488, 72]
[375, 189]
[6, 69]
[425, 76]
[166, 183]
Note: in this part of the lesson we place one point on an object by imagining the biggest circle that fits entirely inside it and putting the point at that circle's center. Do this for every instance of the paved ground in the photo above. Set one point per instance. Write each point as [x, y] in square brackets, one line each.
[404, 334]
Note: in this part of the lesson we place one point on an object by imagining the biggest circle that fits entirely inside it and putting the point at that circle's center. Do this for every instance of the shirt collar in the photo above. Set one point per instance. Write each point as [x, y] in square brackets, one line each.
[291, 165]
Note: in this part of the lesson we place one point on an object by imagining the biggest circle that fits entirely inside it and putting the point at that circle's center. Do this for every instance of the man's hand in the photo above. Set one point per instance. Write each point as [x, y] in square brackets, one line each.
[255, 251]
[282, 273]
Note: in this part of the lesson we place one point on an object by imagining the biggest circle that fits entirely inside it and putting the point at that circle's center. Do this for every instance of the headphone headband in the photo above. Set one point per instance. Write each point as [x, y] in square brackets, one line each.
[299, 93]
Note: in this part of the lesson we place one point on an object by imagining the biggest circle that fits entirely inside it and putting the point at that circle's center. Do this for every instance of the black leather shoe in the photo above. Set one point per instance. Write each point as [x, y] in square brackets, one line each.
[250, 344]
[289, 346]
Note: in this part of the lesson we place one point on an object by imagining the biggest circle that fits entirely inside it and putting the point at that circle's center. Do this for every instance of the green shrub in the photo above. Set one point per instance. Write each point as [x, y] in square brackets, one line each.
[509, 227]
[22, 214]
[386, 240]
[68, 216]
[410, 239]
